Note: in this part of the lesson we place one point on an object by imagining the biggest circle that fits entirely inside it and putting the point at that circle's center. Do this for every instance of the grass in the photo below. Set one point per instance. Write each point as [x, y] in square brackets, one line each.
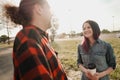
[5, 45]
[67, 53]
[67, 50]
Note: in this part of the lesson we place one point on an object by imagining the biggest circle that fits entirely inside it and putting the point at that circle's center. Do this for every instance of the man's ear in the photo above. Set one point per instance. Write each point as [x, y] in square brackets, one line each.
[38, 9]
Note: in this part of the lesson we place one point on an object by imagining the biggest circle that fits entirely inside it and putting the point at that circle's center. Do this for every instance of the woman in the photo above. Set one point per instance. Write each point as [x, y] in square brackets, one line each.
[94, 50]
[33, 58]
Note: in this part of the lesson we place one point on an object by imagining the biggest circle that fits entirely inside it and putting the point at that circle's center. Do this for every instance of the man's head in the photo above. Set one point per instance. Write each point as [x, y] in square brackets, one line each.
[30, 11]
[42, 14]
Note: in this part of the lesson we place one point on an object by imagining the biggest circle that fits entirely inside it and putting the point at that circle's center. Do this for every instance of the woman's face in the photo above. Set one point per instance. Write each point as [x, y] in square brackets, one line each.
[87, 30]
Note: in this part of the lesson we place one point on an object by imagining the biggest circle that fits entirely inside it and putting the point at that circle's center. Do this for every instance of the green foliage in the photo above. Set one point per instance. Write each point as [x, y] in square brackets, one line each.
[105, 31]
[117, 31]
[72, 34]
[3, 38]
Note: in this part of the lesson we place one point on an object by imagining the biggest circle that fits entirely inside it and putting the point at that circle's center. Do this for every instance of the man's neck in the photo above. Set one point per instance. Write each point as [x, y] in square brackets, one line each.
[39, 24]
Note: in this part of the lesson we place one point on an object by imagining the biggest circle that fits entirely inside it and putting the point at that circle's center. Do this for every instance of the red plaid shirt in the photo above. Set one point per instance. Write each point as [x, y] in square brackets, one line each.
[33, 58]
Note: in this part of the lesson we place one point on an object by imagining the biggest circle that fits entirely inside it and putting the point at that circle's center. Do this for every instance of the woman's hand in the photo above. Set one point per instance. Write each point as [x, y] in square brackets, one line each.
[88, 74]
[86, 71]
[96, 76]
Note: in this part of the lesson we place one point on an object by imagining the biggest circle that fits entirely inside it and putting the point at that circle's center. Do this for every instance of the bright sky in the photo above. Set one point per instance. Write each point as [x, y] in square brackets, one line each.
[72, 13]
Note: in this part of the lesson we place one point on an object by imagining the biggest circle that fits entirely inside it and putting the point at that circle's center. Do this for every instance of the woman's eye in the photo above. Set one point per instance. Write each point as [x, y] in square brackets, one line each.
[89, 27]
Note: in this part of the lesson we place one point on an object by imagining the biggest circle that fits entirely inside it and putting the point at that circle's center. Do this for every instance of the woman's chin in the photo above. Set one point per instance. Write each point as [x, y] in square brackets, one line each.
[87, 36]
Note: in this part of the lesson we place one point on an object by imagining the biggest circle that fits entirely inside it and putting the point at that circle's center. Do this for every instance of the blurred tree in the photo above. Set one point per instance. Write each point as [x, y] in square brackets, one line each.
[79, 34]
[4, 38]
[6, 21]
[63, 35]
[54, 24]
[105, 31]
[72, 34]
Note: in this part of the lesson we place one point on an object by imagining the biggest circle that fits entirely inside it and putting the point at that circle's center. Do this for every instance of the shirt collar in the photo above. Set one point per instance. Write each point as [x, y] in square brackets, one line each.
[40, 30]
[98, 41]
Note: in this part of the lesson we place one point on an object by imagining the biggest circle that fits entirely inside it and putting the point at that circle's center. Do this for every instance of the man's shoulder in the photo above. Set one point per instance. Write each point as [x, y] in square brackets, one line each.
[27, 33]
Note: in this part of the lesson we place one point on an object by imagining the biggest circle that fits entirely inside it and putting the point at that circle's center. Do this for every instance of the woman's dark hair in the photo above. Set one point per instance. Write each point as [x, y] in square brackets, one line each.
[96, 34]
[21, 15]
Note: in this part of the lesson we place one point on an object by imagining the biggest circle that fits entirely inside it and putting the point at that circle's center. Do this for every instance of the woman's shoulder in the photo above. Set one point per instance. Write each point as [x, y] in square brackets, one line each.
[105, 43]
[79, 45]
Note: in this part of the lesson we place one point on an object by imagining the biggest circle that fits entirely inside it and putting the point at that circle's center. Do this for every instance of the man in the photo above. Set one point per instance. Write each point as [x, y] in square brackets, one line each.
[33, 58]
